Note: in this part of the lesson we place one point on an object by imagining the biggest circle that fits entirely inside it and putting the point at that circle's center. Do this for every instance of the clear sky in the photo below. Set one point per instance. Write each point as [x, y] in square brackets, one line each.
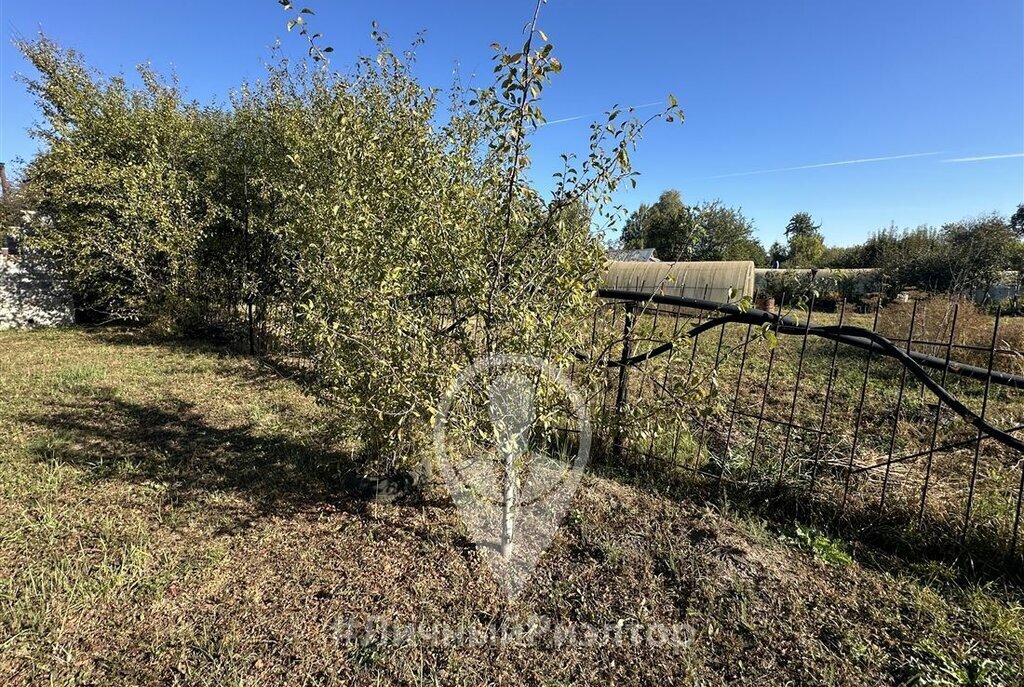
[774, 92]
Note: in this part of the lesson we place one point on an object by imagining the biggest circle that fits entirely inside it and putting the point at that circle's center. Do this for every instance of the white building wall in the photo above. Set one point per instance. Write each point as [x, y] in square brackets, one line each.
[29, 295]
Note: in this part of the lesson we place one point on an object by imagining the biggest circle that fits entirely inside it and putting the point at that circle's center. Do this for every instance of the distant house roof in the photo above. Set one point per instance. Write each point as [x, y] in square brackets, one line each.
[633, 255]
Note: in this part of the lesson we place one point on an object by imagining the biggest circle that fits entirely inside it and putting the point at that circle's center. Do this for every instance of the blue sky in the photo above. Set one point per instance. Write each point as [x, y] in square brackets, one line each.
[772, 90]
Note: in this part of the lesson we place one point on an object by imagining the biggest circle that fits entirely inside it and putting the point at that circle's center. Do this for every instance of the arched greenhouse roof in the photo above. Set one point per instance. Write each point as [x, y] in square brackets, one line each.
[722, 282]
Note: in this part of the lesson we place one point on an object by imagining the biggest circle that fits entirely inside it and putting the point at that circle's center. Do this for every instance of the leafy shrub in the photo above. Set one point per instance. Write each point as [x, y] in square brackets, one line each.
[397, 244]
[798, 288]
[121, 183]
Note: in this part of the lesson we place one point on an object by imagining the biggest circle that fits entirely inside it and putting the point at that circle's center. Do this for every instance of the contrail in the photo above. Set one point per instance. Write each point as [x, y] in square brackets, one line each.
[985, 157]
[826, 164]
[585, 116]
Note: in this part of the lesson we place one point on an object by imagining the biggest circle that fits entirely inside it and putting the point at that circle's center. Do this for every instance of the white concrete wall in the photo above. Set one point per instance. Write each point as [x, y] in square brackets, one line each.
[1009, 286]
[29, 295]
[859, 281]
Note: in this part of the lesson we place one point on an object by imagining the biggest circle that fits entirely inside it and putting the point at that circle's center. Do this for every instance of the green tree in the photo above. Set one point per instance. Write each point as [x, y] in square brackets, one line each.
[1016, 261]
[801, 224]
[842, 257]
[911, 258]
[664, 226]
[16, 202]
[707, 231]
[805, 244]
[960, 256]
[634, 231]
[978, 249]
[1017, 221]
[777, 254]
[747, 248]
[805, 250]
[122, 183]
[418, 245]
[723, 233]
[394, 240]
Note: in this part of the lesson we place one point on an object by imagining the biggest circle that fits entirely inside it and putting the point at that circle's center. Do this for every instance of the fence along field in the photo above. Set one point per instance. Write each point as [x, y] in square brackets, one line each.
[832, 428]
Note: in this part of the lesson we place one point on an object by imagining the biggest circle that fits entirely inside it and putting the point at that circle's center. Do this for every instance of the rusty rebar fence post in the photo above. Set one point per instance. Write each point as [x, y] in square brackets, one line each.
[860, 410]
[899, 409]
[665, 377]
[936, 419]
[827, 402]
[735, 402]
[764, 398]
[704, 423]
[1016, 516]
[622, 392]
[796, 391]
[984, 410]
[652, 384]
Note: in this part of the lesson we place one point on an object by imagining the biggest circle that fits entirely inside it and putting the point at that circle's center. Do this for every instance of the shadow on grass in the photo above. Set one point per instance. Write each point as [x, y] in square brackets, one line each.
[888, 541]
[233, 475]
[169, 443]
[214, 343]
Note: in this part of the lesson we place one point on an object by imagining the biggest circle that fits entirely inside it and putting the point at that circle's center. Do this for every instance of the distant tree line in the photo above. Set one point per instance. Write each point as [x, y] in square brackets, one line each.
[959, 255]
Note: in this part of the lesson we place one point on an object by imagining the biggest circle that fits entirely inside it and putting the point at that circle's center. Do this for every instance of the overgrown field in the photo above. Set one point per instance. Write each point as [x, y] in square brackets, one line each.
[820, 425]
[172, 513]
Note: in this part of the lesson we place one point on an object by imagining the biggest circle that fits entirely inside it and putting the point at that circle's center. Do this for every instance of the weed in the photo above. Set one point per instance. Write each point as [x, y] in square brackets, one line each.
[812, 540]
[964, 667]
[77, 378]
[1001, 620]
[610, 553]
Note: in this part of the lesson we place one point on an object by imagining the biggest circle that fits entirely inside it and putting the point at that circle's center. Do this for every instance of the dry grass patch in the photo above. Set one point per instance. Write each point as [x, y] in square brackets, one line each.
[173, 513]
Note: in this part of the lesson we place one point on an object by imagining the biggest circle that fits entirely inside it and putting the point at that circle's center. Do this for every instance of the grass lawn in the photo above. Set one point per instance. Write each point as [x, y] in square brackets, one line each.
[174, 513]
